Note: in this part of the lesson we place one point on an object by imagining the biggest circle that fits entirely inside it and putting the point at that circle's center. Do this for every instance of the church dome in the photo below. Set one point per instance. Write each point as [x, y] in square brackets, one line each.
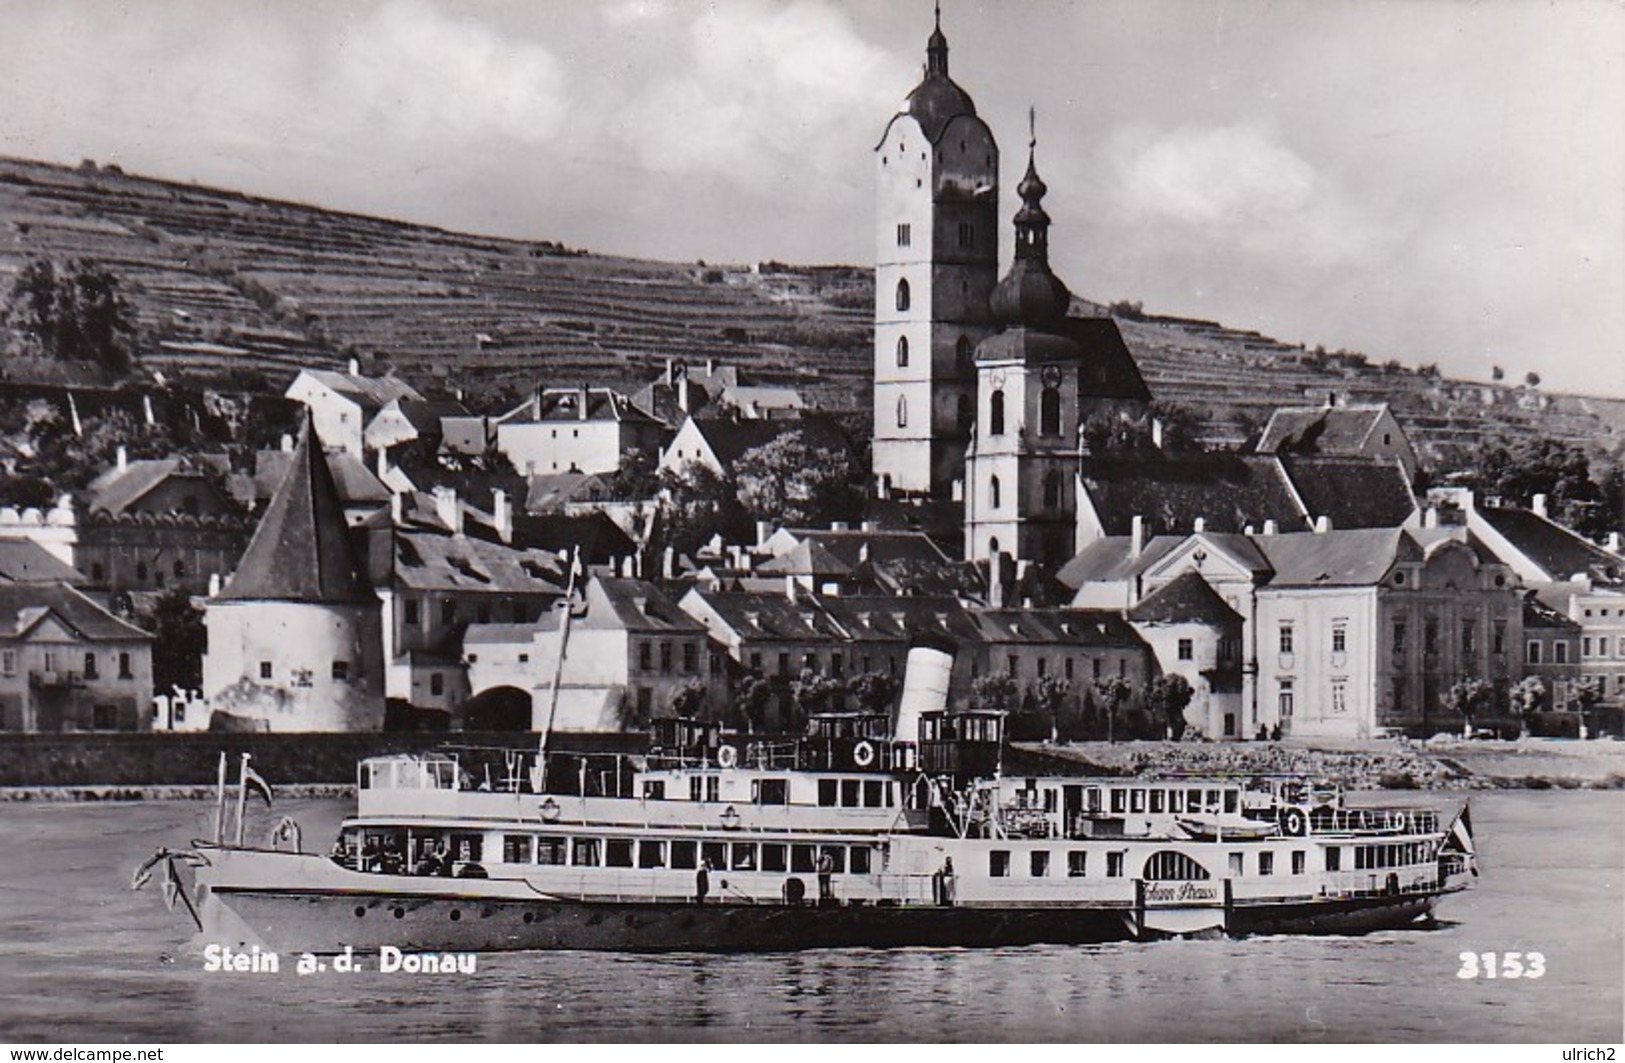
[937, 100]
[1031, 295]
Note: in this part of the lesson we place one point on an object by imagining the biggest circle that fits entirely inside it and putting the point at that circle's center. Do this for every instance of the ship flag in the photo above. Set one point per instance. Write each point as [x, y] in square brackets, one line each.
[254, 782]
[1459, 838]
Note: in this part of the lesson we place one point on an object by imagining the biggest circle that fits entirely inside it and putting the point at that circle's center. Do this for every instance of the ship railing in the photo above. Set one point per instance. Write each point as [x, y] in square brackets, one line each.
[1373, 821]
[725, 887]
[1381, 882]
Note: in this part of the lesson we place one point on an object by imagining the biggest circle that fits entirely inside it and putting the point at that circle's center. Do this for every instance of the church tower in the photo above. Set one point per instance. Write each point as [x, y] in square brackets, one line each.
[1020, 471]
[936, 264]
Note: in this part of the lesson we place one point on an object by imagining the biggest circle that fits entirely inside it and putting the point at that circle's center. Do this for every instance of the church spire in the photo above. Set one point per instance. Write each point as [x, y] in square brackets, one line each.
[1030, 295]
[936, 50]
[1032, 222]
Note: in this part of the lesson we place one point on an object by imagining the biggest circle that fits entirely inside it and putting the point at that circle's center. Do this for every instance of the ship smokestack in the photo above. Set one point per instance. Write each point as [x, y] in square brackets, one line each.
[926, 679]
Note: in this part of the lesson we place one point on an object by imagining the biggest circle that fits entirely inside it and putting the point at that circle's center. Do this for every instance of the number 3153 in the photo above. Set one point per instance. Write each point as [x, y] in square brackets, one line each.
[1512, 965]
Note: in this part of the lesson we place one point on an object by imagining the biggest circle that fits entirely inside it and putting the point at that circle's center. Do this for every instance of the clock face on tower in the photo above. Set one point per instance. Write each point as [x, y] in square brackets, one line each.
[1051, 376]
[996, 378]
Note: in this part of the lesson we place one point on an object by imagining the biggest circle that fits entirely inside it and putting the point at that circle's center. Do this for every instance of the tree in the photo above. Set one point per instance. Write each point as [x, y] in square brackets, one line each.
[814, 692]
[1113, 692]
[997, 692]
[1469, 696]
[874, 691]
[1497, 374]
[637, 478]
[1049, 694]
[750, 702]
[1181, 426]
[1525, 700]
[1586, 695]
[796, 482]
[1519, 471]
[179, 642]
[700, 503]
[1532, 379]
[74, 316]
[689, 698]
[1167, 698]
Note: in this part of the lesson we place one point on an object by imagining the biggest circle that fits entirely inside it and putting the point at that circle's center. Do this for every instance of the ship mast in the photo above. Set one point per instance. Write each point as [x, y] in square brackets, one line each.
[558, 670]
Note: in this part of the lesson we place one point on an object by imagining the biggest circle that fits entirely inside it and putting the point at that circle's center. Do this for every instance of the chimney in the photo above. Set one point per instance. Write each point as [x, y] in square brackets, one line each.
[1323, 524]
[146, 409]
[764, 531]
[710, 367]
[1199, 525]
[355, 367]
[789, 586]
[863, 553]
[839, 526]
[1430, 517]
[286, 443]
[667, 378]
[959, 491]
[502, 514]
[1538, 504]
[1156, 432]
[1613, 542]
[447, 509]
[995, 580]
[383, 462]
[682, 393]
[581, 403]
[123, 458]
[668, 564]
[1249, 530]
[1270, 527]
[1136, 536]
[214, 584]
[870, 525]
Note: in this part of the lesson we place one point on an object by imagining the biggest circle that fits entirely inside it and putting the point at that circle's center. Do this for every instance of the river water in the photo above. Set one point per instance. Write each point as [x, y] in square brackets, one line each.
[86, 959]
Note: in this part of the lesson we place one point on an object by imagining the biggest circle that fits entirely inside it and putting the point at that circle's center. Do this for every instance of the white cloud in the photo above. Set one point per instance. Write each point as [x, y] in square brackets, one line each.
[763, 92]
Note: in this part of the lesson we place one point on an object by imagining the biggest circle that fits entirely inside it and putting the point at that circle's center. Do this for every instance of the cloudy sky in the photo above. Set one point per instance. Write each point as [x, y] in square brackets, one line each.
[1431, 180]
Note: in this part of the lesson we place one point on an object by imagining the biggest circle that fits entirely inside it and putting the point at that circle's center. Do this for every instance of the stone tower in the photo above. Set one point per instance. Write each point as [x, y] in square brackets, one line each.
[1020, 472]
[936, 263]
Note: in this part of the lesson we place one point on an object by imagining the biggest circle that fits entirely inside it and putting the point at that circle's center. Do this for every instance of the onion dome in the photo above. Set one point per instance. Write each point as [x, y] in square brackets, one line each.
[1030, 296]
[937, 100]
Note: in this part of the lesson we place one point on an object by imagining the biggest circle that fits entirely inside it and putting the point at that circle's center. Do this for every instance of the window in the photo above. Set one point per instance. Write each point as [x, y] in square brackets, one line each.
[1300, 861]
[1014, 663]
[1469, 636]
[902, 411]
[1532, 652]
[963, 352]
[1286, 637]
[1114, 865]
[1399, 693]
[1585, 647]
[1430, 635]
[1399, 638]
[1266, 863]
[967, 234]
[97, 572]
[104, 717]
[1053, 485]
[770, 791]
[998, 863]
[90, 666]
[1340, 698]
[618, 852]
[902, 350]
[1187, 649]
[828, 793]
[448, 612]
[651, 854]
[993, 492]
[665, 658]
[516, 848]
[1077, 863]
[645, 656]
[8, 662]
[1049, 411]
[437, 684]
[1334, 858]
[905, 234]
[1284, 699]
[1340, 637]
[341, 674]
[995, 413]
[803, 858]
[1560, 651]
[691, 658]
[861, 860]
[1040, 863]
[265, 669]
[179, 568]
[411, 610]
[903, 299]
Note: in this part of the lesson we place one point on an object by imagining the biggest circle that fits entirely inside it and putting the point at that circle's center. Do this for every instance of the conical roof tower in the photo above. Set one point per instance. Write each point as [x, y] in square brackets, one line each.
[301, 550]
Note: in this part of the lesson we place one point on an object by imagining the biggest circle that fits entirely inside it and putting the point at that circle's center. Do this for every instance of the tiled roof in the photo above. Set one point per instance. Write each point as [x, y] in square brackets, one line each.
[1319, 429]
[1560, 553]
[1359, 557]
[601, 540]
[373, 392]
[1111, 370]
[730, 439]
[638, 605]
[1110, 560]
[1537, 613]
[1353, 492]
[852, 546]
[301, 550]
[546, 492]
[1066, 627]
[23, 605]
[808, 558]
[115, 491]
[564, 404]
[436, 561]
[25, 561]
[1229, 491]
[772, 617]
[425, 414]
[1187, 598]
[356, 484]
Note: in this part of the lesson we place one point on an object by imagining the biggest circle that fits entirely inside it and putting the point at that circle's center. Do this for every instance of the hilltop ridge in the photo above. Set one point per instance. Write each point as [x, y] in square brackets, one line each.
[232, 286]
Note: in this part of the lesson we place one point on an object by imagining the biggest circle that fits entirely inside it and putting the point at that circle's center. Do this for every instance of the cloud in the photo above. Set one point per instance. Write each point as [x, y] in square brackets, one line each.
[1239, 184]
[761, 92]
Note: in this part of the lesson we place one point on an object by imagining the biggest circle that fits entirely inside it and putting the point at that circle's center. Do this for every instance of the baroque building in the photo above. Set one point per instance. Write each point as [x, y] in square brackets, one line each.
[936, 264]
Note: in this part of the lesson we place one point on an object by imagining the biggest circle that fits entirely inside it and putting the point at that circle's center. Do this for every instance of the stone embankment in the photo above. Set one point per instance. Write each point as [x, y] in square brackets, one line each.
[1440, 764]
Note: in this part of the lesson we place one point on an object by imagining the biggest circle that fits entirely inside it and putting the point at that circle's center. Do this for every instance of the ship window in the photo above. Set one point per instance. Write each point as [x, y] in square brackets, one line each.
[774, 856]
[998, 863]
[1077, 863]
[1176, 800]
[1169, 866]
[1231, 797]
[1212, 803]
[837, 858]
[1193, 800]
[1300, 861]
[1266, 863]
[1158, 798]
[1136, 800]
[1094, 799]
[618, 852]
[715, 854]
[1040, 863]
[550, 851]
[586, 853]
[803, 858]
[827, 793]
[1114, 865]
[654, 789]
[1119, 801]
[860, 860]
[851, 793]
[873, 793]
[651, 854]
[1334, 858]
[770, 791]
[685, 855]
[743, 856]
[516, 848]
[469, 847]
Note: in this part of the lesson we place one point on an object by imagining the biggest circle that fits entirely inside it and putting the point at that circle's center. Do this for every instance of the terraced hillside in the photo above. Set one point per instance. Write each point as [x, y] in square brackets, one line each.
[232, 285]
